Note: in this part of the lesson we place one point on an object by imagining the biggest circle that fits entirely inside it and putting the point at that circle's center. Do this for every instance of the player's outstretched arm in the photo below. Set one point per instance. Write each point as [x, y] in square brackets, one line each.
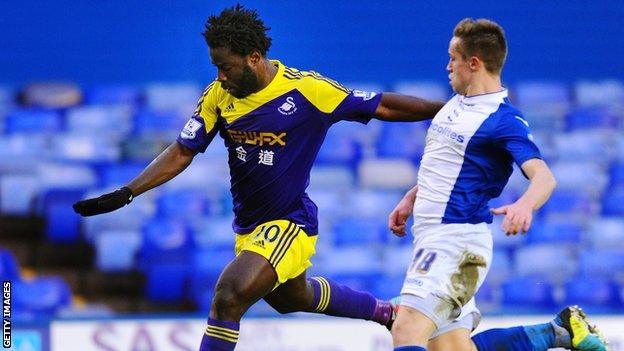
[173, 160]
[519, 215]
[398, 217]
[402, 108]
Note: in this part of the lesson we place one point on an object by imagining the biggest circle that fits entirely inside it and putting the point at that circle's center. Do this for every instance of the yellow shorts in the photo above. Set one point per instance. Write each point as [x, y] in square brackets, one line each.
[285, 245]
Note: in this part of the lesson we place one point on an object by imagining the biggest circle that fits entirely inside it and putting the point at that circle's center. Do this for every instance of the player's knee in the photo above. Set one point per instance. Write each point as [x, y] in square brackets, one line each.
[229, 301]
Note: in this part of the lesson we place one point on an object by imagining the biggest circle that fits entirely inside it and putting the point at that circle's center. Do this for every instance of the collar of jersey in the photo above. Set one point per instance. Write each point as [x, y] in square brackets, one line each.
[495, 96]
[273, 82]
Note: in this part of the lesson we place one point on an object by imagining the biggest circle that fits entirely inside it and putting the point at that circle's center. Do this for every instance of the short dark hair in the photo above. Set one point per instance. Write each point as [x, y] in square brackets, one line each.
[485, 39]
[239, 30]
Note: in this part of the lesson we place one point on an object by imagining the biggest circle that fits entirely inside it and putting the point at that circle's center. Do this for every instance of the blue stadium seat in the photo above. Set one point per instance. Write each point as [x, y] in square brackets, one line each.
[616, 174]
[331, 178]
[119, 174]
[569, 203]
[112, 94]
[410, 137]
[603, 263]
[18, 193]
[9, 268]
[572, 176]
[503, 241]
[116, 250]
[396, 259]
[606, 233]
[388, 286]
[337, 150]
[488, 294]
[352, 261]
[166, 281]
[207, 265]
[32, 121]
[182, 204]
[593, 293]
[556, 232]
[553, 261]
[62, 223]
[601, 93]
[106, 121]
[528, 293]
[584, 145]
[43, 296]
[501, 267]
[167, 96]
[429, 90]
[374, 203]
[359, 232]
[542, 93]
[158, 124]
[85, 148]
[213, 233]
[590, 118]
[165, 241]
[613, 202]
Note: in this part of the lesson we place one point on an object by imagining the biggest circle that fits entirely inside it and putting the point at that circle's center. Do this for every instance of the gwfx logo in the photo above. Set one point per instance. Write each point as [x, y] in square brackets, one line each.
[257, 138]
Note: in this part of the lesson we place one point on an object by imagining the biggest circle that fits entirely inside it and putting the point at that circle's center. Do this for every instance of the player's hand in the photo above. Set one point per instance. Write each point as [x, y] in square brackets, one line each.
[518, 217]
[398, 217]
[105, 203]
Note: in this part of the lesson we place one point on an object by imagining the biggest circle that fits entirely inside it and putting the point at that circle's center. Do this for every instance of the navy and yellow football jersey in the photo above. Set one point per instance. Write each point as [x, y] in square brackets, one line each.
[273, 137]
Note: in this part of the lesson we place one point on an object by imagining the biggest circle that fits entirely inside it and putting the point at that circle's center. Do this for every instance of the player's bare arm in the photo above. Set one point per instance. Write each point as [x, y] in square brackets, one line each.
[519, 215]
[173, 160]
[398, 217]
[403, 108]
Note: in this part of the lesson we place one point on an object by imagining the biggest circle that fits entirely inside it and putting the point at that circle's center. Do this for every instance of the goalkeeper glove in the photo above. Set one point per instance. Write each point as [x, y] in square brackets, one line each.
[105, 203]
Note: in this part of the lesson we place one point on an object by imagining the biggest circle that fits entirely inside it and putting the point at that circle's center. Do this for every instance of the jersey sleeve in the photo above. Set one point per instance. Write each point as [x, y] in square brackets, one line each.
[357, 106]
[512, 134]
[202, 127]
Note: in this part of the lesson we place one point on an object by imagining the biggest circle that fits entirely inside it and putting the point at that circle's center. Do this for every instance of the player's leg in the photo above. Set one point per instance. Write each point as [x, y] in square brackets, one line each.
[570, 329]
[411, 329]
[243, 282]
[323, 295]
[456, 340]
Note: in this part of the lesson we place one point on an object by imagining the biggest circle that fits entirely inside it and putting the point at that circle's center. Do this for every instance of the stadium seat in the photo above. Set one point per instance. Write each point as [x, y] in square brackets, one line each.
[606, 233]
[356, 231]
[330, 203]
[116, 250]
[396, 259]
[43, 296]
[388, 286]
[556, 232]
[601, 93]
[32, 121]
[377, 204]
[212, 233]
[427, 90]
[18, 193]
[108, 121]
[351, 261]
[543, 103]
[501, 267]
[593, 293]
[553, 261]
[338, 151]
[85, 148]
[602, 263]
[402, 140]
[331, 178]
[616, 173]
[166, 281]
[570, 203]
[207, 265]
[503, 241]
[165, 241]
[572, 175]
[402, 173]
[62, 223]
[182, 204]
[528, 293]
[65, 176]
[120, 173]
[17, 149]
[164, 96]
[9, 268]
[613, 202]
[592, 118]
[584, 145]
[112, 95]
[158, 124]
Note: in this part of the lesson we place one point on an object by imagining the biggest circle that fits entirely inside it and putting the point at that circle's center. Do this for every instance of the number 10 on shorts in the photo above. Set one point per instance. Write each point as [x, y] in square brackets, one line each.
[422, 261]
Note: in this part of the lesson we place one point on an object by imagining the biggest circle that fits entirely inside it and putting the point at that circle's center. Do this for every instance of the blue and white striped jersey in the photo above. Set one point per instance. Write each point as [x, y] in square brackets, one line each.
[471, 145]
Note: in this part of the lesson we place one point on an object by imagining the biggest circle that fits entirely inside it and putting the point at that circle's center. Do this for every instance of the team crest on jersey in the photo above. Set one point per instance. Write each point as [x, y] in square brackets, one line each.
[365, 95]
[190, 129]
[288, 107]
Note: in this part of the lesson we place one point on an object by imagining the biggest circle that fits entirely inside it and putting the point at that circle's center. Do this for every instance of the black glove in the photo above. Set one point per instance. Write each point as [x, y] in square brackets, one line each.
[105, 203]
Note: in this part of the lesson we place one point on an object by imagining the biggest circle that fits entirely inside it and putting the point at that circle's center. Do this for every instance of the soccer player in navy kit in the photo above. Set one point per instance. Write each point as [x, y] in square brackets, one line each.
[471, 145]
[273, 119]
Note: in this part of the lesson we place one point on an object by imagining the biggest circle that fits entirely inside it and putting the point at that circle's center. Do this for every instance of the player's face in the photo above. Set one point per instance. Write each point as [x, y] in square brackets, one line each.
[234, 72]
[458, 68]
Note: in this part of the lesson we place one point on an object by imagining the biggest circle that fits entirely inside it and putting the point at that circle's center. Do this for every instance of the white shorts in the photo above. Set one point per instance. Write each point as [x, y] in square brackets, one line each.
[449, 264]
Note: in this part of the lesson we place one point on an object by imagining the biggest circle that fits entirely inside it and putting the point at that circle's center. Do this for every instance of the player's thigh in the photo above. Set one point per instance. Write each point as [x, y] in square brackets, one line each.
[292, 296]
[455, 340]
[411, 327]
[283, 244]
[245, 280]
